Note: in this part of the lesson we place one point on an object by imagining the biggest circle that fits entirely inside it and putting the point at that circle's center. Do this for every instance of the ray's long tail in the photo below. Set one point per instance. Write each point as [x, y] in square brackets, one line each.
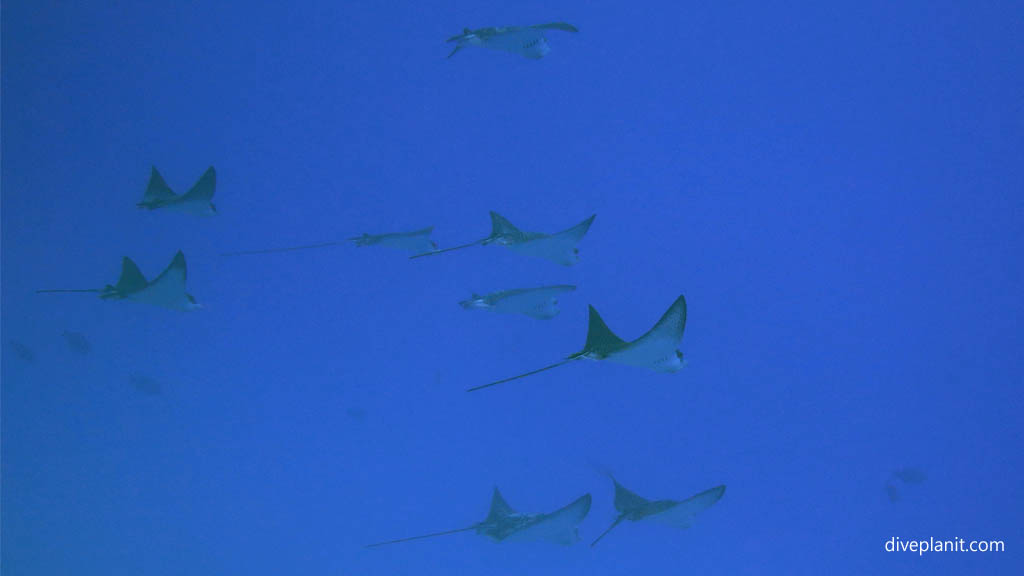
[609, 529]
[436, 252]
[525, 374]
[69, 291]
[421, 537]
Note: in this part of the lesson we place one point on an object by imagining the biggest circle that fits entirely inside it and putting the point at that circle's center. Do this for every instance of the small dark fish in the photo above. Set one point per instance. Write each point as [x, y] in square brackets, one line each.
[892, 491]
[145, 384]
[77, 342]
[20, 350]
[356, 413]
[910, 475]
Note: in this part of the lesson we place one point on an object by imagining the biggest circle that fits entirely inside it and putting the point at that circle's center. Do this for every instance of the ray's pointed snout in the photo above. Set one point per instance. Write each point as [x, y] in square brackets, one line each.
[473, 304]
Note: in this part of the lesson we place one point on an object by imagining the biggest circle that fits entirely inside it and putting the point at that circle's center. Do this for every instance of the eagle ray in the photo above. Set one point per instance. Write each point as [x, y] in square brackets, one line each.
[541, 302]
[655, 350]
[678, 513]
[527, 41]
[166, 290]
[504, 523]
[197, 201]
[559, 247]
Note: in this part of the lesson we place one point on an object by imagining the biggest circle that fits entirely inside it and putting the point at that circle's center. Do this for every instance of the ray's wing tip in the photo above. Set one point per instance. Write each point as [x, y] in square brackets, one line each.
[587, 500]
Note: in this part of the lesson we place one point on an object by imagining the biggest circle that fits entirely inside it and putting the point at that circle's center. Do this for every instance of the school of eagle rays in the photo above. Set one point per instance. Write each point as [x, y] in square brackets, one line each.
[656, 350]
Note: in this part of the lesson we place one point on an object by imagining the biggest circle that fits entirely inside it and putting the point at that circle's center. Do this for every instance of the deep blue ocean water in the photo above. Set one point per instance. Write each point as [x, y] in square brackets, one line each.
[837, 188]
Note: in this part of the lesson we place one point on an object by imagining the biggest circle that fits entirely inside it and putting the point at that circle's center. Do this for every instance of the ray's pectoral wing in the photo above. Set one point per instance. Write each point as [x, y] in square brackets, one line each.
[501, 227]
[204, 187]
[668, 332]
[564, 26]
[499, 507]
[626, 500]
[600, 339]
[683, 513]
[577, 232]
[131, 279]
[169, 286]
[559, 526]
[157, 191]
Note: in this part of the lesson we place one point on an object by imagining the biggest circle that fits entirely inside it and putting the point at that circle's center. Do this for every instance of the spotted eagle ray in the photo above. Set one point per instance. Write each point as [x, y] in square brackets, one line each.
[197, 201]
[166, 290]
[503, 523]
[417, 241]
[527, 41]
[656, 350]
[534, 302]
[678, 513]
[559, 247]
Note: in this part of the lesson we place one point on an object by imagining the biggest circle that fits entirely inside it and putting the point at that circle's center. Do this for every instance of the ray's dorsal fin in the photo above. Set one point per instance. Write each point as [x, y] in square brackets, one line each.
[499, 507]
[204, 187]
[157, 190]
[600, 339]
[131, 279]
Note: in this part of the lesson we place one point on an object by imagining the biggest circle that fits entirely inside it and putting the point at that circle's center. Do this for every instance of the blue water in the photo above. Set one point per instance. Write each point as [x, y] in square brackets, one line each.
[837, 188]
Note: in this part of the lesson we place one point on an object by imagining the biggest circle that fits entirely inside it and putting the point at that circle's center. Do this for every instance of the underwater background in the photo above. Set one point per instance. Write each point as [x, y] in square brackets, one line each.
[837, 188]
